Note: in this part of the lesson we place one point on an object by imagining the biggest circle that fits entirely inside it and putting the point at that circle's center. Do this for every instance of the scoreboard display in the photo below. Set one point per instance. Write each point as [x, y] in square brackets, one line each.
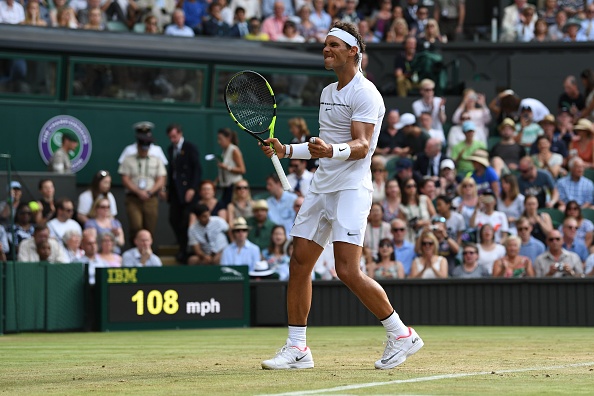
[173, 297]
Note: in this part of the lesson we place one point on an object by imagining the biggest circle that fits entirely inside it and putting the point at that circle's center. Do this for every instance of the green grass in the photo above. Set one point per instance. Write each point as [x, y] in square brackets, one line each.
[227, 362]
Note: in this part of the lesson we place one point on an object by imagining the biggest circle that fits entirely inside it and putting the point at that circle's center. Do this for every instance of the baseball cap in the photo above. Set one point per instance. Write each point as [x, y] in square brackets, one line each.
[16, 185]
[447, 163]
[403, 163]
[405, 120]
[468, 126]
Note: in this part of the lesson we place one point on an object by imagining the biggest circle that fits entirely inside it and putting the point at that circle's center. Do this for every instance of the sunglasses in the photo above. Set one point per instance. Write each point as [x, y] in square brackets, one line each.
[242, 188]
[427, 243]
[68, 210]
[411, 186]
[385, 245]
[523, 228]
[378, 170]
[235, 231]
[103, 206]
[398, 229]
[469, 252]
[554, 239]
[571, 227]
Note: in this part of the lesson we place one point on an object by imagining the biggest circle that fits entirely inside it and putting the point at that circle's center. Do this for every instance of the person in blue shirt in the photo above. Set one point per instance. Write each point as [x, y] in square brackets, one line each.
[484, 175]
[570, 242]
[280, 203]
[403, 250]
[530, 247]
[241, 251]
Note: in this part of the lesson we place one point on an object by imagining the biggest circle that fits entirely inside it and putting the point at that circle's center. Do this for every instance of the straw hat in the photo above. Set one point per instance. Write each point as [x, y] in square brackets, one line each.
[549, 118]
[261, 269]
[583, 124]
[260, 204]
[240, 224]
[481, 157]
[506, 122]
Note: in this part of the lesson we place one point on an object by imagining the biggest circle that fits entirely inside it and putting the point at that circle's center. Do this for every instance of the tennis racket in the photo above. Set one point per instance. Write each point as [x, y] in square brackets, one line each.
[251, 104]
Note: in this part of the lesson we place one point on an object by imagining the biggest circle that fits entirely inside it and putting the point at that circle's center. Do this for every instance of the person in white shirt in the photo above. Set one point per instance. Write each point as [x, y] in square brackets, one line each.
[429, 103]
[28, 247]
[178, 27]
[142, 255]
[11, 12]
[338, 202]
[300, 177]
[63, 221]
[143, 128]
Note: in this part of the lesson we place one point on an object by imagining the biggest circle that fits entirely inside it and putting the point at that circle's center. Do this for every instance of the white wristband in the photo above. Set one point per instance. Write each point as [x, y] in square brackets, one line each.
[287, 150]
[301, 151]
[341, 151]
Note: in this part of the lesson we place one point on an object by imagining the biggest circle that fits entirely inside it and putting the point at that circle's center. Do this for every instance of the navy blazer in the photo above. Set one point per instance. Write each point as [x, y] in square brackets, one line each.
[184, 171]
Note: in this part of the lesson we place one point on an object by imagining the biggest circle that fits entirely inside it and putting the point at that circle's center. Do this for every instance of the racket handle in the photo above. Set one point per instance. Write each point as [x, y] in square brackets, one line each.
[280, 172]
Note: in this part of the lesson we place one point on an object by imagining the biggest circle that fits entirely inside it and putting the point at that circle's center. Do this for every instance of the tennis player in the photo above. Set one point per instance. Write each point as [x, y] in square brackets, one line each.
[338, 203]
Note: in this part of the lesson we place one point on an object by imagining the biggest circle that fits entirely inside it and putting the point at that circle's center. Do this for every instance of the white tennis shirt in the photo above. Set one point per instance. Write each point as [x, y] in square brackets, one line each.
[359, 101]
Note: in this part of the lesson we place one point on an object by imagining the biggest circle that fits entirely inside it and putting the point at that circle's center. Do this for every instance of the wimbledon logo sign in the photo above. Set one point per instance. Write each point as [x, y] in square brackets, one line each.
[50, 140]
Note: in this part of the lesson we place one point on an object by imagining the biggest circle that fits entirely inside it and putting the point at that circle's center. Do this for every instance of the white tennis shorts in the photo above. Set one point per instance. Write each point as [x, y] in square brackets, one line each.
[339, 216]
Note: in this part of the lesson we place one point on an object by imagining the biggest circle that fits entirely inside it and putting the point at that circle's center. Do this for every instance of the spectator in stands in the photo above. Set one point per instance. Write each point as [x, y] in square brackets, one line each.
[299, 178]
[557, 145]
[275, 254]
[426, 124]
[548, 11]
[505, 105]
[462, 151]
[100, 188]
[214, 24]
[383, 33]
[404, 67]
[391, 203]
[72, 240]
[416, 209]
[378, 178]
[386, 266]
[241, 202]
[537, 182]
[475, 107]
[46, 204]
[557, 30]
[573, 8]
[530, 246]
[587, 77]
[206, 237]
[377, 229]
[410, 12]
[485, 213]
[66, 18]
[467, 198]
[260, 226]
[448, 180]
[63, 221]
[511, 15]
[11, 12]
[572, 31]
[489, 250]
[541, 32]
[546, 160]
[455, 135]
[585, 231]
[366, 33]
[454, 221]
[527, 130]
[269, 8]
[102, 221]
[398, 33]
[44, 251]
[387, 143]
[13, 201]
[539, 110]
[95, 20]
[208, 198]
[380, 19]
[447, 246]
[178, 27]
[513, 264]
[414, 139]
[470, 267]
[232, 166]
[427, 163]
[541, 222]
[28, 248]
[107, 246]
[142, 255]
[451, 16]
[305, 27]
[240, 27]
[22, 228]
[575, 186]
[60, 161]
[570, 242]
[32, 15]
[151, 25]
[290, 33]
[91, 255]
[584, 144]
[565, 127]
[587, 30]
[253, 8]
[556, 261]
[428, 264]
[320, 19]
[349, 13]
[143, 177]
[431, 37]
[420, 25]
[143, 129]
[403, 250]
[511, 202]
[280, 203]
[403, 169]
[484, 175]
[273, 24]
[525, 26]
[241, 251]
[431, 104]
[427, 187]
[571, 97]
[506, 153]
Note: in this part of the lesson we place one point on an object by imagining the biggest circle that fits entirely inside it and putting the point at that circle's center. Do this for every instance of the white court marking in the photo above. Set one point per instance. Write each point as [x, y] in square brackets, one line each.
[431, 378]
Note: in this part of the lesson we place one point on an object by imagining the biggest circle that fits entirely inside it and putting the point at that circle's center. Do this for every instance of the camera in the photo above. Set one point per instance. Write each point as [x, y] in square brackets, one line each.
[412, 223]
[559, 267]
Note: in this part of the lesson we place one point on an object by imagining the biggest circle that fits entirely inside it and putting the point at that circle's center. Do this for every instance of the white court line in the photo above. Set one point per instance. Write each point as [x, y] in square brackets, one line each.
[431, 378]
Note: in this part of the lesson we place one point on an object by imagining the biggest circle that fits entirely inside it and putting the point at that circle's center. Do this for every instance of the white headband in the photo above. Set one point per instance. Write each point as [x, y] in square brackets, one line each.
[350, 40]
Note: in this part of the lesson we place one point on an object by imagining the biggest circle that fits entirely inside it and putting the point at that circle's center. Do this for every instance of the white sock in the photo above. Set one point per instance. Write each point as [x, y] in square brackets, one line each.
[394, 325]
[297, 336]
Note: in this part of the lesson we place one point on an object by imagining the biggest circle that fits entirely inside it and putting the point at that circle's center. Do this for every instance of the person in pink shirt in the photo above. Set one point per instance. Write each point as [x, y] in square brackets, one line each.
[273, 25]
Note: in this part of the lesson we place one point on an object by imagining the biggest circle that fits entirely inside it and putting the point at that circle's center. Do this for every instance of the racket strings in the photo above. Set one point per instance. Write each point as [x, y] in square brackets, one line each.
[251, 102]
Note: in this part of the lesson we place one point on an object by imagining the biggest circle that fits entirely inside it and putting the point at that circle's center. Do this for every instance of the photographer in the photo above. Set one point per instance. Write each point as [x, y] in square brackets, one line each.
[557, 262]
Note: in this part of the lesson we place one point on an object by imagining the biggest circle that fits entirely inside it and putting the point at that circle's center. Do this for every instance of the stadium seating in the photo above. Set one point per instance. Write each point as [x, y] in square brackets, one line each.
[588, 213]
[556, 215]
